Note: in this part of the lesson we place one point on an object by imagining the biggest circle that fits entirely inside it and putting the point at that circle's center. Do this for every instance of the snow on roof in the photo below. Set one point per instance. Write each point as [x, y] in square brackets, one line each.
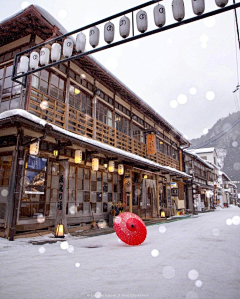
[44, 13]
[203, 150]
[53, 21]
[198, 157]
[37, 120]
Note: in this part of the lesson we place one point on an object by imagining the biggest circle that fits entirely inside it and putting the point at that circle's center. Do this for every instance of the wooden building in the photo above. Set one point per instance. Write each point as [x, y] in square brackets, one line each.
[128, 155]
[200, 190]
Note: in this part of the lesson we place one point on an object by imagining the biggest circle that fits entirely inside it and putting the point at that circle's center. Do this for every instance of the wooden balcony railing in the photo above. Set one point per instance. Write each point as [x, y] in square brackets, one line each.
[77, 122]
[53, 111]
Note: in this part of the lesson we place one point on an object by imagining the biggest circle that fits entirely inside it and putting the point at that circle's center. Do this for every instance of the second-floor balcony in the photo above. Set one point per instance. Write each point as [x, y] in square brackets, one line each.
[73, 120]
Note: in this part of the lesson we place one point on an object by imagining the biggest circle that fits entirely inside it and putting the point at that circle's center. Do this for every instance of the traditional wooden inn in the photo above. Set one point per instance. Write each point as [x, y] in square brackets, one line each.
[76, 143]
[201, 190]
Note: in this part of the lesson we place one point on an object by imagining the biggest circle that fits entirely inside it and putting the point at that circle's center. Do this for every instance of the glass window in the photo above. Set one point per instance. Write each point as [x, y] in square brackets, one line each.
[33, 188]
[104, 114]
[122, 124]
[137, 133]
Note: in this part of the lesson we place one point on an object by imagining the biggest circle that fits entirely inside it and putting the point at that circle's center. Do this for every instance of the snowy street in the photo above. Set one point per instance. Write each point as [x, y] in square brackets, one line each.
[192, 258]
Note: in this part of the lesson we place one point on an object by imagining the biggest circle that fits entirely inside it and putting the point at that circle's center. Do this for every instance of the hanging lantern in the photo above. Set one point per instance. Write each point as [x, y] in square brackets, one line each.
[142, 22]
[59, 231]
[44, 56]
[56, 52]
[34, 148]
[80, 42]
[159, 15]
[67, 47]
[178, 10]
[34, 60]
[127, 183]
[95, 164]
[94, 36]
[78, 156]
[198, 7]
[109, 32]
[105, 166]
[124, 27]
[145, 176]
[120, 169]
[221, 3]
[111, 166]
[55, 153]
[23, 65]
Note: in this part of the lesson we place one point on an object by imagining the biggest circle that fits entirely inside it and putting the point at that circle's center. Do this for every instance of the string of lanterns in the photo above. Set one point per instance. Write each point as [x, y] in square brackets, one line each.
[159, 14]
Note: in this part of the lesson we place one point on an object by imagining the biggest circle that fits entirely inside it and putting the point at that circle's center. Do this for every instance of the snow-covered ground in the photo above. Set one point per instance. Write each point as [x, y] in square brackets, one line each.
[197, 257]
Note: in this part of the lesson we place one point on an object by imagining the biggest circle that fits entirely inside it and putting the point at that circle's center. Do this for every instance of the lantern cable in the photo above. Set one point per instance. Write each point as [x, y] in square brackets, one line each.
[237, 37]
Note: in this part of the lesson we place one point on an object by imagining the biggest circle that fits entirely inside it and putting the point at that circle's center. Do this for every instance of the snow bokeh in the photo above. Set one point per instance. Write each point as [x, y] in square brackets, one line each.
[189, 263]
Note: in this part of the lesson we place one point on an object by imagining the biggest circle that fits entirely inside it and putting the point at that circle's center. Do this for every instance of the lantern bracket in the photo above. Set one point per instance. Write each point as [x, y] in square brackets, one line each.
[61, 145]
[16, 76]
[34, 140]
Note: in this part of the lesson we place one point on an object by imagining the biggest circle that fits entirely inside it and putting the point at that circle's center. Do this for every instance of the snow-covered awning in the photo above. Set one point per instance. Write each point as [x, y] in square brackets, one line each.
[11, 115]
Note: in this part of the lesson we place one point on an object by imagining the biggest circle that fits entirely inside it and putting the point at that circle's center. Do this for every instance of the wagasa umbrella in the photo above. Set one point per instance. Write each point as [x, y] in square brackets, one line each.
[130, 228]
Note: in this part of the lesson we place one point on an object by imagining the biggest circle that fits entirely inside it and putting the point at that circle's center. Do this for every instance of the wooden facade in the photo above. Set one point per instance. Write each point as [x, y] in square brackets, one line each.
[78, 105]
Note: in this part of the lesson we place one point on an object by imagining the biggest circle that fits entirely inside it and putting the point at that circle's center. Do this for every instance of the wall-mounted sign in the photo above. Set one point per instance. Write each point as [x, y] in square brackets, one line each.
[151, 144]
[174, 191]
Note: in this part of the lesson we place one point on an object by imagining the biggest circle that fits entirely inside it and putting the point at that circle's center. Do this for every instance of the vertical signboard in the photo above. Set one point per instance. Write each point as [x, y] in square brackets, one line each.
[151, 144]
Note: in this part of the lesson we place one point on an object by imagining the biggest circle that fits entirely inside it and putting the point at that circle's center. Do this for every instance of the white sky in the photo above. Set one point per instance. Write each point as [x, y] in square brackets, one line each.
[188, 74]
[193, 258]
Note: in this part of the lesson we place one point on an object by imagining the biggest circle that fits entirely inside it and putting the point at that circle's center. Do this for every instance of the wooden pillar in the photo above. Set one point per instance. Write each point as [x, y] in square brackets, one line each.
[130, 195]
[14, 195]
[94, 115]
[157, 190]
[66, 112]
[62, 195]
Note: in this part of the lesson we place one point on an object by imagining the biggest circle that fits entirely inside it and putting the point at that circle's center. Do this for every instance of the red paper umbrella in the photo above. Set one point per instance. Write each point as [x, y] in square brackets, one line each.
[130, 228]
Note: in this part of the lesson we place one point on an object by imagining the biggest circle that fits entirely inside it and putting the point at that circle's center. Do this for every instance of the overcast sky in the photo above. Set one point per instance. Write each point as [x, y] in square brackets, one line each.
[187, 74]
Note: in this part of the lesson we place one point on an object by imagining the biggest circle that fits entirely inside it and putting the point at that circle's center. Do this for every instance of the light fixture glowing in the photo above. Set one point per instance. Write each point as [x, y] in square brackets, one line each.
[163, 215]
[120, 169]
[78, 156]
[55, 153]
[95, 164]
[145, 176]
[59, 231]
[111, 166]
[76, 91]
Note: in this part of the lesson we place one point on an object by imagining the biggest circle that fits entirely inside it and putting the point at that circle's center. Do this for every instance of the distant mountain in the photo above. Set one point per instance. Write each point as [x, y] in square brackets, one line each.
[225, 137]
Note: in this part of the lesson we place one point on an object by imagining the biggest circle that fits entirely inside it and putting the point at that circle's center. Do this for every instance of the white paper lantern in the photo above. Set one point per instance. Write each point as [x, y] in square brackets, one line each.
[56, 52]
[34, 60]
[120, 169]
[44, 56]
[221, 3]
[80, 42]
[94, 36]
[95, 164]
[124, 27]
[142, 22]
[178, 10]
[111, 166]
[67, 47]
[34, 148]
[159, 15]
[108, 32]
[78, 156]
[23, 65]
[198, 6]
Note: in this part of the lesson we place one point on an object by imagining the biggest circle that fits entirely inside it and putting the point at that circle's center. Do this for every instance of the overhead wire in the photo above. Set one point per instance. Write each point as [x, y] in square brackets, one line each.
[236, 99]
[224, 132]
